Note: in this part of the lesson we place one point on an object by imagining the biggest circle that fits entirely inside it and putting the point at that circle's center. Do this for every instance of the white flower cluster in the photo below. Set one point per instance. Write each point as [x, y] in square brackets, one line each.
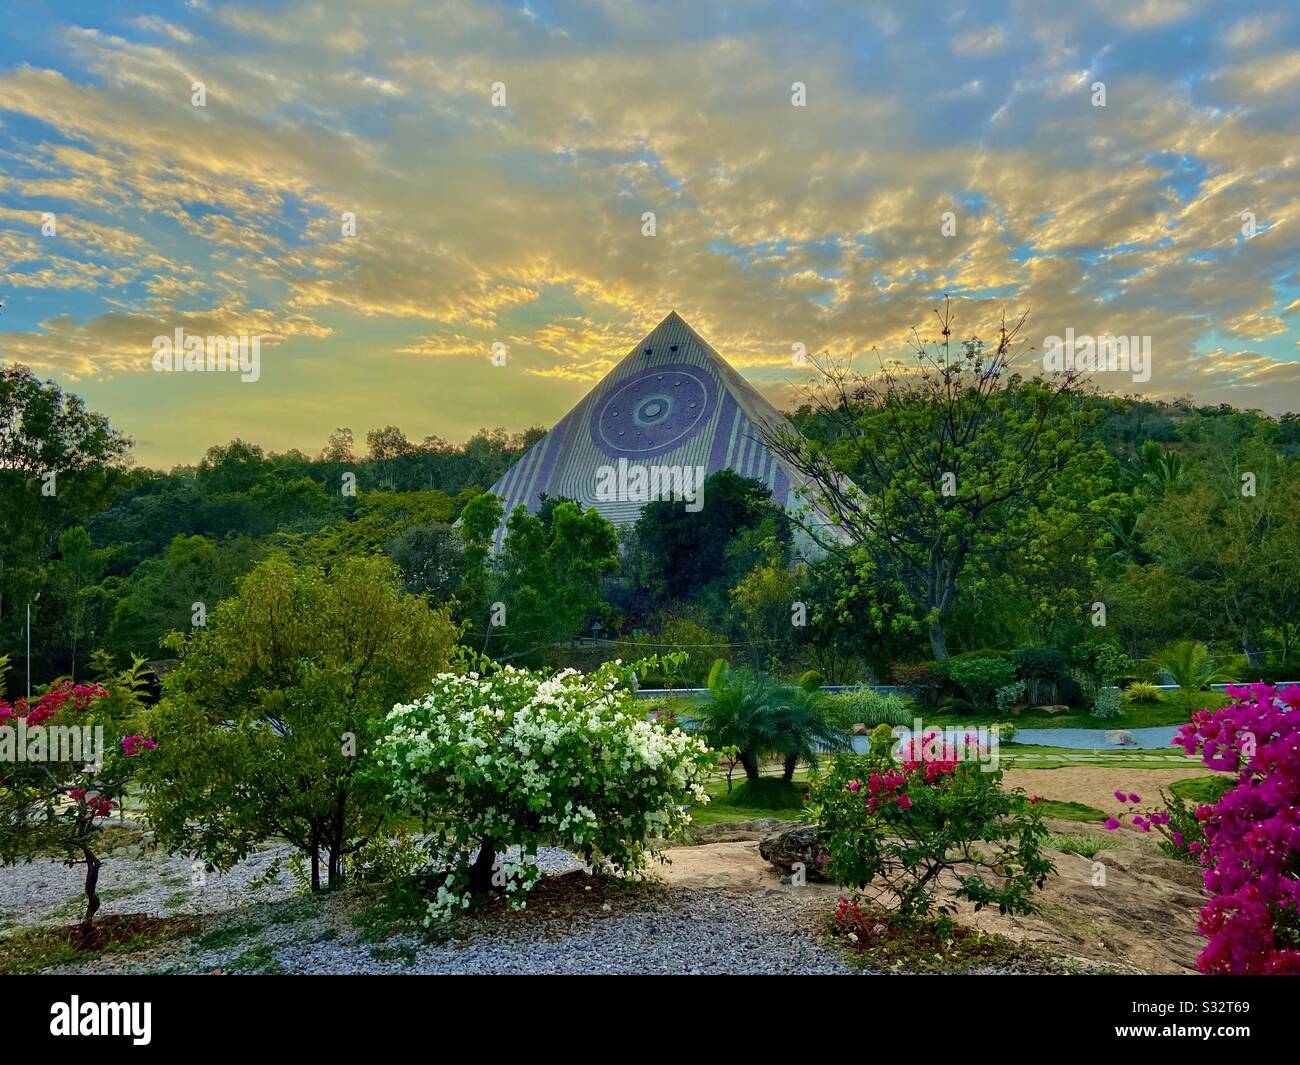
[518, 757]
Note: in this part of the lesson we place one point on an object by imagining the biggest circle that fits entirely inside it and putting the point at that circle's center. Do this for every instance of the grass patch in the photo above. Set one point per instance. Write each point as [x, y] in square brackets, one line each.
[392, 909]
[222, 938]
[1070, 811]
[176, 900]
[1208, 789]
[257, 960]
[1084, 844]
[403, 952]
[41, 948]
[750, 801]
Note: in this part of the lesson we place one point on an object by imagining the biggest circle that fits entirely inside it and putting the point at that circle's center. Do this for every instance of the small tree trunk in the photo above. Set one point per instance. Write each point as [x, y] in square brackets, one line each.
[480, 873]
[791, 760]
[750, 762]
[938, 641]
[315, 867]
[92, 883]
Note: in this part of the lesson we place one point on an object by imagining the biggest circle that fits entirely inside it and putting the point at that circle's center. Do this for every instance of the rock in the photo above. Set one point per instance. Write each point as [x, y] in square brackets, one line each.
[859, 729]
[790, 845]
[1121, 736]
[1055, 708]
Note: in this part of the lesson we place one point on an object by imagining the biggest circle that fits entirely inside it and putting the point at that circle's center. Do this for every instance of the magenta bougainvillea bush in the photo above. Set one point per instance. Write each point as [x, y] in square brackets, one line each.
[1251, 852]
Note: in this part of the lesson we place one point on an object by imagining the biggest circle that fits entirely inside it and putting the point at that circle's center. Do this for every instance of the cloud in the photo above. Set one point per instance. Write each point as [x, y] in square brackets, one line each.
[523, 224]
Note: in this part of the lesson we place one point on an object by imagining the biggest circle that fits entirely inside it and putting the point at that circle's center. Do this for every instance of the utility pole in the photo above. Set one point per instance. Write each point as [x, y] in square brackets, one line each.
[29, 643]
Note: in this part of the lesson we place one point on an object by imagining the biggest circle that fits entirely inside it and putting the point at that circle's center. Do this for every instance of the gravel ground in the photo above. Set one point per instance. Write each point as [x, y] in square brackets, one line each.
[274, 928]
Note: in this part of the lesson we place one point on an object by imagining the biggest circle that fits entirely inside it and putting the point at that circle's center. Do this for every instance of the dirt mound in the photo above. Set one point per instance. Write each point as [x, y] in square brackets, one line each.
[1135, 909]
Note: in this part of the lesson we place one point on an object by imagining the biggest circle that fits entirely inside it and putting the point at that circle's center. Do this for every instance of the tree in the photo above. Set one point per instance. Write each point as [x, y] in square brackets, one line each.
[77, 570]
[162, 593]
[265, 728]
[754, 714]
[339, 447]
[505, 757]
[1234, 533]
[551, 580]
[59, 462]
[699, 556]
[429, 557]
[55, 799]
[1190, 666]
[763, 605]
[929, 468]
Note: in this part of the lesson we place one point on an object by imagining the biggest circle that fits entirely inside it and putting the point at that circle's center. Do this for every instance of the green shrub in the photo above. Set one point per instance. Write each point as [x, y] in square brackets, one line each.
[906, 829]
[811, 681]
[1141, 691]
[385, 858]
[1008, 695]
[1107, 703]
[980, 678]
[846, 709]
[1084, 844]
[1043, 669]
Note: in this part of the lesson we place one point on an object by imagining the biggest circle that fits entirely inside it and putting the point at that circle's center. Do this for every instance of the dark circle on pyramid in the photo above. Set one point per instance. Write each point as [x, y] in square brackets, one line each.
[662, 418]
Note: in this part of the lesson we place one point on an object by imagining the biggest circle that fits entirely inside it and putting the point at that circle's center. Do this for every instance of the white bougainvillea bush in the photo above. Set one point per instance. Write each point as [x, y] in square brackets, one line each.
[516, 757]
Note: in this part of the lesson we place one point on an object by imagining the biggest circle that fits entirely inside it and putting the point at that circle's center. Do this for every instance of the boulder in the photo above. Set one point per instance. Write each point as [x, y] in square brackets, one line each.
[1056, 708]
[798, 843]
[859, 729]
[1121, 736]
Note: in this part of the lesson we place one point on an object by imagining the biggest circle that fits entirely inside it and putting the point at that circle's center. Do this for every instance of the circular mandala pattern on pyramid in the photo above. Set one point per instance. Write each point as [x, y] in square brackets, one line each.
[653, 411]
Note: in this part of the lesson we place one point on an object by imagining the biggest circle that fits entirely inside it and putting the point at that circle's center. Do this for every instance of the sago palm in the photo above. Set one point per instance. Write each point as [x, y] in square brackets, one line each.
[1190, 666]
[740, 709]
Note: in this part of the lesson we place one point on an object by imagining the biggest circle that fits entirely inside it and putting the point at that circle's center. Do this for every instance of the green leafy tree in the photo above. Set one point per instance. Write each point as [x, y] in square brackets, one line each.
[161, 594]
[676, 555]
[73, 576]
[59, 463]
[1233, 533]
[753, 713]
[551, 578]
[266, 726]
[952, 460]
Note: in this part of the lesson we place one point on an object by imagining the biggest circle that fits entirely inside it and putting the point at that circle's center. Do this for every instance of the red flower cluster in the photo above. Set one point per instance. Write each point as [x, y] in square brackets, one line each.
[133, 745]
[62, 695]
[94, 802]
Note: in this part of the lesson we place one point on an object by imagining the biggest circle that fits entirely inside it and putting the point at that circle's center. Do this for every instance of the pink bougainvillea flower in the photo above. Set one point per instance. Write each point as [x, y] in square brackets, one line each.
[1112, 823]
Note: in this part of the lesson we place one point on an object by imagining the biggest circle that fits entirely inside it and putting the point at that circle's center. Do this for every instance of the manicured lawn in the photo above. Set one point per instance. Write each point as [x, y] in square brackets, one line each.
[1170, 710]
[1202, 789]
[768, 797]
[1035, 756]
[1070, 811]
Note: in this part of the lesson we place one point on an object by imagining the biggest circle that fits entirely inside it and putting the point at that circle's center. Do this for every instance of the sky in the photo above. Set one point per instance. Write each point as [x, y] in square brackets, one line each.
[819, 174]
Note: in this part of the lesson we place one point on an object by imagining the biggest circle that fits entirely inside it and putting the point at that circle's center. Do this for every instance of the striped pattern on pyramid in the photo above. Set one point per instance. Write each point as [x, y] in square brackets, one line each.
[673, 401]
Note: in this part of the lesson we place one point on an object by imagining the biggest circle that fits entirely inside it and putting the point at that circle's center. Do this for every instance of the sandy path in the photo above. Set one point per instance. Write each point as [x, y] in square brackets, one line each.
[1095, 785]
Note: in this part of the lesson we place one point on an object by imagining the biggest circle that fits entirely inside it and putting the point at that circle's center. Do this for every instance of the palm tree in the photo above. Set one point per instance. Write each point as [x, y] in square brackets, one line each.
[740, 710]
[803, 730]
[1190, 666]
[753, 713]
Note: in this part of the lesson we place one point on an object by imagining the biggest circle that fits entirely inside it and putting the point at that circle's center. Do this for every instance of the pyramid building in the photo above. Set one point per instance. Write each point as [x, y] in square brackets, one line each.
[672, 402]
